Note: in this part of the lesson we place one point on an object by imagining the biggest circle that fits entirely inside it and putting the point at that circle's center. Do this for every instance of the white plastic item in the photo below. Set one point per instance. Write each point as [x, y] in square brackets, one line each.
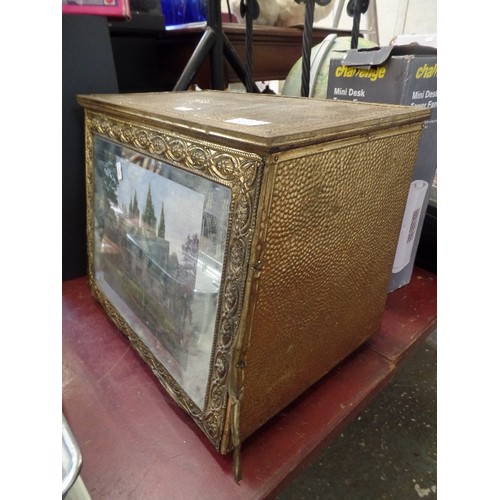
[411, 218]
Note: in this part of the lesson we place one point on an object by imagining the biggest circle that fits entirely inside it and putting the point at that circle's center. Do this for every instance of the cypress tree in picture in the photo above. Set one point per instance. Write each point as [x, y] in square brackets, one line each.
[148, 216]
[134, 207]
[161, 225]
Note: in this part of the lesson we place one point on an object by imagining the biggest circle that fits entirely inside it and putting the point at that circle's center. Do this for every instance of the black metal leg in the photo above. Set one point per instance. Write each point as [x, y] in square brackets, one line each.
[234, 60]
[202, 50]
[214, 20]
[306, 48]
[214, 43]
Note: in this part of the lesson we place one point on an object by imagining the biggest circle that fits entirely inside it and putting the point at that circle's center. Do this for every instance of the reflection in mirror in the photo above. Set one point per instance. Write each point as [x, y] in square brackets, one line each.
[159, 241]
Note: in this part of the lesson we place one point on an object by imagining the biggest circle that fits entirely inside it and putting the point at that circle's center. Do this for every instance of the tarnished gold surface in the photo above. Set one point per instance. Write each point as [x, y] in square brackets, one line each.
[332, 231]
[262, 123]
[318, 194]
[239, 171]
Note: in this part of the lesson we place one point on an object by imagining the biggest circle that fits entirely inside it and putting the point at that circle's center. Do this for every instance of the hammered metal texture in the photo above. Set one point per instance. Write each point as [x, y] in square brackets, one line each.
[277, 122]
[333, 226]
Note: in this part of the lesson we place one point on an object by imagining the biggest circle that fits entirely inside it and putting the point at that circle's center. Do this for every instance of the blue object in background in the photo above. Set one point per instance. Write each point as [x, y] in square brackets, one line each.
[196, 11]
[178, 12]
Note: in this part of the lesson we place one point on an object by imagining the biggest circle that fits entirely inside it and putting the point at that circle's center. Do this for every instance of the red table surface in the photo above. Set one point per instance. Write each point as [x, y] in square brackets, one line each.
[137, 444]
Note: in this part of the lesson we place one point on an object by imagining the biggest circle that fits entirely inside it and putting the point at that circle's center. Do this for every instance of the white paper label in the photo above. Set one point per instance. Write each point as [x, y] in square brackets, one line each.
[119, 170]
[246, 121]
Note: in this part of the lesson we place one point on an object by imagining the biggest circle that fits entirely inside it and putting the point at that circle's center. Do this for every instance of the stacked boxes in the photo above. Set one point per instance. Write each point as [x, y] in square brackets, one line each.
[405, 75]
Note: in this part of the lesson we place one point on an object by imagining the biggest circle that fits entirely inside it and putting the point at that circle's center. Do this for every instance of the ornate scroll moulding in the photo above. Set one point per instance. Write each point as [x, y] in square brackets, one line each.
[238, 170]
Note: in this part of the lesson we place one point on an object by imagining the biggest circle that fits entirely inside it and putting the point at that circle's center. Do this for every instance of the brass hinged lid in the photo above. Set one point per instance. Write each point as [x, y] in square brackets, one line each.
[262, 121]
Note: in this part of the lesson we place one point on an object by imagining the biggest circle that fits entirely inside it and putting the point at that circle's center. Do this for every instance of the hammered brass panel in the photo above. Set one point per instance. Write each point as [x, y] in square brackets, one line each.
[318, 191]
[333, 226]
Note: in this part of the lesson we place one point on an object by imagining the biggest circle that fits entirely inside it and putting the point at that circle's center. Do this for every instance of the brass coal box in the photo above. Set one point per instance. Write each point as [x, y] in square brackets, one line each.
[244, 242]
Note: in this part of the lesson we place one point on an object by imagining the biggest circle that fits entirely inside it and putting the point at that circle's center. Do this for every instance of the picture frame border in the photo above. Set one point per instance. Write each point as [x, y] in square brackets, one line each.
[242, 173]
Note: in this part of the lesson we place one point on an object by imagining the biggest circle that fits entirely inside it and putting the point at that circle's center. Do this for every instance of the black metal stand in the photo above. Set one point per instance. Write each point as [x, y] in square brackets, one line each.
[354, 9]
[214, 43]
[307, 43]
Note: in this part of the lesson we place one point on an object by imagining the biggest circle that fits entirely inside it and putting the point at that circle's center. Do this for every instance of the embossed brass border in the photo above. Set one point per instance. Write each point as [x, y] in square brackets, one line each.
[240, 171]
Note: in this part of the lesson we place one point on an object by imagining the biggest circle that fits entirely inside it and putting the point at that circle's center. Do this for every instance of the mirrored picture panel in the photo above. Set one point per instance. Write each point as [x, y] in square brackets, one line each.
[159, 242]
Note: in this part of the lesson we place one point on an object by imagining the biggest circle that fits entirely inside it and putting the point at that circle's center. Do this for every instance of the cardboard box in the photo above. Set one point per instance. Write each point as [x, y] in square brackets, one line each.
[405, 75]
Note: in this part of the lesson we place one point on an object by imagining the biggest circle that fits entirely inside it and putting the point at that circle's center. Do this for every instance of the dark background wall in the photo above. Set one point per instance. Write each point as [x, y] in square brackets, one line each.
[99, 56]
[87, 67]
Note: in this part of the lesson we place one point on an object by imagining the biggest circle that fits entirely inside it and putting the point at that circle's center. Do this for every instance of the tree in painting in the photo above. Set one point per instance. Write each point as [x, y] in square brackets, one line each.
[190, 252]
[110, 180]
[133, 210]
[106, 192]
[148, 216]
[161, 225]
